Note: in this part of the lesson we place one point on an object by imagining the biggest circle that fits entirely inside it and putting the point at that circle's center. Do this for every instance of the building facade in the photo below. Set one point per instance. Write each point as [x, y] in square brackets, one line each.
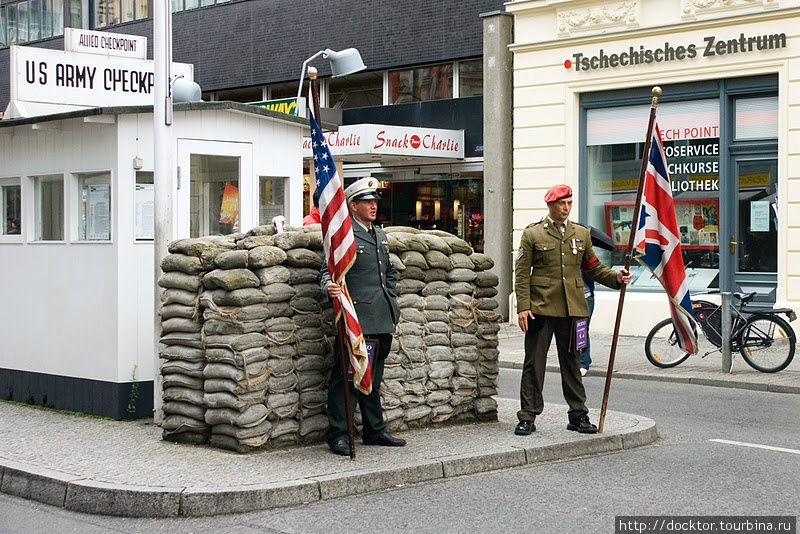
[729, 119]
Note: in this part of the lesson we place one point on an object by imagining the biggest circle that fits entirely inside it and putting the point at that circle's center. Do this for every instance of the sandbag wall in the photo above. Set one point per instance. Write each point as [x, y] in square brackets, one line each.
[247, 337]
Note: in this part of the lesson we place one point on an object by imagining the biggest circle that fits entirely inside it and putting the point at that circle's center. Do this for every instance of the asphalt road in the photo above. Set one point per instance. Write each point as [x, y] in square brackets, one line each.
[684, 473]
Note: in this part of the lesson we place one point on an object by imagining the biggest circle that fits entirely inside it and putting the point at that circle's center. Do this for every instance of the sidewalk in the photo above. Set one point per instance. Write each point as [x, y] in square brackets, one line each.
[124, 468]
[631, 362]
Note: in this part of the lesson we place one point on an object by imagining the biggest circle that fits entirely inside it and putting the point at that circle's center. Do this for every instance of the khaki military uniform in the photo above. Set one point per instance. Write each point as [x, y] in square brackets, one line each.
[371, 282]
[547, 281]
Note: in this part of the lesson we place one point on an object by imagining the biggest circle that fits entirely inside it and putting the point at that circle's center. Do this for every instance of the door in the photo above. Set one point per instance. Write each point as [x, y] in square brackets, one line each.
[216, 189]
[752, 245]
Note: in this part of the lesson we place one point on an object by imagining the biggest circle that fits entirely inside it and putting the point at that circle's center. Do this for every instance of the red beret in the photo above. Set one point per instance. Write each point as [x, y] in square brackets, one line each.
[557, 192]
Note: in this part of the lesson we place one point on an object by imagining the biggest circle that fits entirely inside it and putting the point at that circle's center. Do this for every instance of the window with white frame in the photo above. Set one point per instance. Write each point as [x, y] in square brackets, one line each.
[110, 12]
[94, 206]
[144, 206]
[271, 198]
[10, 207]
[49, 207]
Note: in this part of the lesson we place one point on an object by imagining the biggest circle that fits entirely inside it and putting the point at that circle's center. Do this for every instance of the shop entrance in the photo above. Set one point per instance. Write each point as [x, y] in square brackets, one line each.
[751, 250]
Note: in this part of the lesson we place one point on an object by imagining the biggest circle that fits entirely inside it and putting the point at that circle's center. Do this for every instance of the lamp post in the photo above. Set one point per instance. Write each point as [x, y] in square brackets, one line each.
[344, 62]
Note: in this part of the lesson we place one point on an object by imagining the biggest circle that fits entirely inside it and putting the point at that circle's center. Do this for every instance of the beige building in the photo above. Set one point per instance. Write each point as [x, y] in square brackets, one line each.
[729, 119]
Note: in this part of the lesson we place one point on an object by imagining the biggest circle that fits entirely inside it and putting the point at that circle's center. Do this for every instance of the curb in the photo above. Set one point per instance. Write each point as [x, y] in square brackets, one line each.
[699, 381]
[96, 497]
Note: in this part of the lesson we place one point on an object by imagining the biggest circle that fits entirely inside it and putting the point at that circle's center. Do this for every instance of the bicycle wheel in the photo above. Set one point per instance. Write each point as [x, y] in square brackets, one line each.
[767, 343]
[661, 346]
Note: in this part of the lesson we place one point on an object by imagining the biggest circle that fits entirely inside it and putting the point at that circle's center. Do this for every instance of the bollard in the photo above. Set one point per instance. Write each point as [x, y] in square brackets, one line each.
[725, 332]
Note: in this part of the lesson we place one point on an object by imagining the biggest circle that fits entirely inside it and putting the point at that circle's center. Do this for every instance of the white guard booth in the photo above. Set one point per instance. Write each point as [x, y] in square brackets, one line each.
[76, 249]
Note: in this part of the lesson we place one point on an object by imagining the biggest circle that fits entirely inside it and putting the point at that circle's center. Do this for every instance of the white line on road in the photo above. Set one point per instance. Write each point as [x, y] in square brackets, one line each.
[755, 446]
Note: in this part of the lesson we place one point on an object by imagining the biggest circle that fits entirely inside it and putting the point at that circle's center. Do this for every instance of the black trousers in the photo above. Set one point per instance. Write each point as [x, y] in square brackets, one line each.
[537, 343]
[371, 411]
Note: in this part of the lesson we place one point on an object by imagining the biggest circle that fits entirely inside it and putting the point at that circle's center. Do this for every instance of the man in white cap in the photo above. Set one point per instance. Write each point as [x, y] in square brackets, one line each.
[371, 282]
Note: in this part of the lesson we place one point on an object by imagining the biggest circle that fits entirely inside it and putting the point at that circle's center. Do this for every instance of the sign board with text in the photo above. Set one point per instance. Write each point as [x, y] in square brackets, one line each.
[392, 140]
[105, 43]
[69, 79]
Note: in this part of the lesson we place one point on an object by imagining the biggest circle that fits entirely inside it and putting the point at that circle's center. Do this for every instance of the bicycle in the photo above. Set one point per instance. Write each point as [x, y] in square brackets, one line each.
[764, 339]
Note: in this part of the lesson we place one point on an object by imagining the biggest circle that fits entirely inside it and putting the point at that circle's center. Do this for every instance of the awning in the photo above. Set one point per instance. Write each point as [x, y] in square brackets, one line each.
[381, 142]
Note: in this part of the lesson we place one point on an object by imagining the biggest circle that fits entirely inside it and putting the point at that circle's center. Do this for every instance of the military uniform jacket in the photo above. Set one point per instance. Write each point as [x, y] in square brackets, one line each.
[547, 274]
[371, 281]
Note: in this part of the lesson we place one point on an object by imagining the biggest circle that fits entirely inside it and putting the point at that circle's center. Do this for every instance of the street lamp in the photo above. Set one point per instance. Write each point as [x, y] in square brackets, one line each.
[342, 63]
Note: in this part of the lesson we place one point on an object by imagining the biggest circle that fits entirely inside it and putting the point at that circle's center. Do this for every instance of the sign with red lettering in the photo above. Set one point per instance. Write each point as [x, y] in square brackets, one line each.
[365, 139]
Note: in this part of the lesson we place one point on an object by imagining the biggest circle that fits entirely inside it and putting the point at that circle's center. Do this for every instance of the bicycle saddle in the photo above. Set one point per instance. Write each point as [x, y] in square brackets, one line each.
[746, 297]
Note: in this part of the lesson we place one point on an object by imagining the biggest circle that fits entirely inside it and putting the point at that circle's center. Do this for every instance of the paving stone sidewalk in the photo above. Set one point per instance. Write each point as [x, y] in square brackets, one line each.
[124, 468]
[631, 362]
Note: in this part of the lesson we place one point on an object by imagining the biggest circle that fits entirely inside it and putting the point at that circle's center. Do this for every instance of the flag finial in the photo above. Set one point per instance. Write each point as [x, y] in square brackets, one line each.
[656, 93]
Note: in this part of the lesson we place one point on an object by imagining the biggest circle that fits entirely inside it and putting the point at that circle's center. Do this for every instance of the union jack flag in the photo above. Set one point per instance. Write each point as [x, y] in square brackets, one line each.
[340, 252]
[657, 244]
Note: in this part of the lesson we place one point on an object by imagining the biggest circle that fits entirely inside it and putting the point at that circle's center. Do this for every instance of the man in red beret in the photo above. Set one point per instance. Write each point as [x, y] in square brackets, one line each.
[549, 290]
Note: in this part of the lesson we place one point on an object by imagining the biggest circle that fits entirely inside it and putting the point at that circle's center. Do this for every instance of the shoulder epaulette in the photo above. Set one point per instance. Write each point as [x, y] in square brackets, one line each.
[579, 224]
[534, 223]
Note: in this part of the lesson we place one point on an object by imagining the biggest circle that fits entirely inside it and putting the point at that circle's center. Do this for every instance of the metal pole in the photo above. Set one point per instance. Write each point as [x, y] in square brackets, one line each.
[344, 346]
[727, 360]
[615, 338]
[162, 176]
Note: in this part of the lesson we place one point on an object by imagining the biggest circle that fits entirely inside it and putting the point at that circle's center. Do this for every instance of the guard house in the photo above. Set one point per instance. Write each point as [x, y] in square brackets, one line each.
[76, 236]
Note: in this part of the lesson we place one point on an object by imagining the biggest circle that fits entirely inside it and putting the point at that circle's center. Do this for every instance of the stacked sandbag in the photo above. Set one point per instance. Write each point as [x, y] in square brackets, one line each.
[437, 363]
[248, 337]
[183, 350]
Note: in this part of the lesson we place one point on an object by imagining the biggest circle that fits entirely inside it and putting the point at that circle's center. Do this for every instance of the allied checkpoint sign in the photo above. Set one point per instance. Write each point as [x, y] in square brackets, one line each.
[52, 81]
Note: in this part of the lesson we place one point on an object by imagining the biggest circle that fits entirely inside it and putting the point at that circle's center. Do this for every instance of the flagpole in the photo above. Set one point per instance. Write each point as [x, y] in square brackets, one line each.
[341, 333]
[645, 156]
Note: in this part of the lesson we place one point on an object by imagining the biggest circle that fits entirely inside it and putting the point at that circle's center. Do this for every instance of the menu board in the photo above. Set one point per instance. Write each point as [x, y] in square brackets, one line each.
[698, 223]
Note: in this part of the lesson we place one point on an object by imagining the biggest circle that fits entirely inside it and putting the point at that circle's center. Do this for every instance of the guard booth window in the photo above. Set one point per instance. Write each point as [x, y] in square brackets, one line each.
[214, 195]
[10, 207]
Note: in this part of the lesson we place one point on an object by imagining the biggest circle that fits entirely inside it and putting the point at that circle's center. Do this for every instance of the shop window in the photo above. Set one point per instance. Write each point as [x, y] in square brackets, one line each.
[214, 195]
[433, 82]
[30, 20]
[271, 198]
[94, 206]
[3, 40]
[144, 207]
[181, 5]
[10, 207]
[248, 94]
[690, 133]
[49, 207]
[756, 118]
[356, 91]
[470, 78]
[11, 23]
[110, 12]
[429, 199]
[22, 22]
[283, 90]
[76, 13]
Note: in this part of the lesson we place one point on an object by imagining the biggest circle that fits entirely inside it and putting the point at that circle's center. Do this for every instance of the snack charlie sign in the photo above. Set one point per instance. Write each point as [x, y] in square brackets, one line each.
[52, 81]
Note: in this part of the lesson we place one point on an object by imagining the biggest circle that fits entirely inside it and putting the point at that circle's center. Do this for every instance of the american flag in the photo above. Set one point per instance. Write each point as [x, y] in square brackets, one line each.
[340, 252]
[658, 244]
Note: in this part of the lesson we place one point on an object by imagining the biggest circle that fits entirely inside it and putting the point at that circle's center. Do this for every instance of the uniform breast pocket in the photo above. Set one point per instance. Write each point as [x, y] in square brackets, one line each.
[544, 254]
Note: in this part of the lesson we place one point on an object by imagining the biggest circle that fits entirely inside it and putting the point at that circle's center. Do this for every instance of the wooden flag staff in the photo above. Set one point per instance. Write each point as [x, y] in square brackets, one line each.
[628, 254]
[344, 353]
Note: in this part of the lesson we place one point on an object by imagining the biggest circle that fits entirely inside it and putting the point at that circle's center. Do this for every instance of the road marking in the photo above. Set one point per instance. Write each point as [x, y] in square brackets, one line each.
[756, 446]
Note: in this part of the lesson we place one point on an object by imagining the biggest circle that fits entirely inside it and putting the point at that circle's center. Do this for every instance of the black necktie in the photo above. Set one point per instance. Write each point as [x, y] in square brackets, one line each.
[372, 232]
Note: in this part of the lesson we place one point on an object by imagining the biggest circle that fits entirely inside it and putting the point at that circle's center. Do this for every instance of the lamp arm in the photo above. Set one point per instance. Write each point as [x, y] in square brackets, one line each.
[303, 71]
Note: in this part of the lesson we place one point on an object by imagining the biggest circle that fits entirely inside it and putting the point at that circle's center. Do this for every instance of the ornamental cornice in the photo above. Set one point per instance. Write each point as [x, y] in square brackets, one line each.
[691, 9]
[609, 15]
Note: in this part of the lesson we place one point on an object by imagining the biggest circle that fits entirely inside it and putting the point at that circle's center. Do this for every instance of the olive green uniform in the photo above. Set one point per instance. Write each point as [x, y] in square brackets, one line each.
[547, 281]
[371, 282]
